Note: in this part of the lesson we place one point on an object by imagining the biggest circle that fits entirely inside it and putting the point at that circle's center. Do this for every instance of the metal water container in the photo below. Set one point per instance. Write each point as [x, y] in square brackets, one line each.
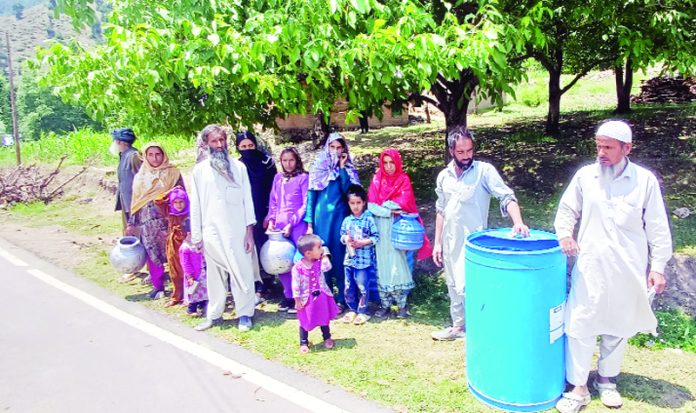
[277, 253]
[128, 255]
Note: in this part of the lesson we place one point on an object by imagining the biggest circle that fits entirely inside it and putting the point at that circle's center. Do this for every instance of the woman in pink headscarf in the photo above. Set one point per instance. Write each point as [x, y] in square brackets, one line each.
[391, 194]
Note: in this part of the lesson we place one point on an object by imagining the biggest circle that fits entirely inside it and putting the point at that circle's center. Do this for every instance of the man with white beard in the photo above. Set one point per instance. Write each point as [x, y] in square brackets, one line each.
[129, 162]
[623, 246]
[222, 220]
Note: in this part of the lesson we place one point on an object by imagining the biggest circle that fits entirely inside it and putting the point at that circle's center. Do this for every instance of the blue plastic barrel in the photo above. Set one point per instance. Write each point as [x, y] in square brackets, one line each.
[515, 294]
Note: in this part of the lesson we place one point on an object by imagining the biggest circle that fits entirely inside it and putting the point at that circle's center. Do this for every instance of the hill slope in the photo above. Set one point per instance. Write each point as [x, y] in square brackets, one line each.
[32, 31]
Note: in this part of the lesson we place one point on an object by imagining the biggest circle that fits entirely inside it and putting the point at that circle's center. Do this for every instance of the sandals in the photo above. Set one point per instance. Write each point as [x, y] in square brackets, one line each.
[304, 349]
[382, 312]
[329, 344]
[349, 317]
[608, 394]
[572, 403]
[361, 319]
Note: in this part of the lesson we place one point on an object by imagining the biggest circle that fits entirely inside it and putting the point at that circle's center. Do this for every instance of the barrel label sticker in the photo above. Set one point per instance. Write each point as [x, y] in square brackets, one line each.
[556, 317]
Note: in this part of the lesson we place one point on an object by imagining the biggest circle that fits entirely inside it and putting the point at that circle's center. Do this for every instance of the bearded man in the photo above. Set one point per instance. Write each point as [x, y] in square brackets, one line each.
[464, 191]
[129, 162]
[623, 246]
[222, 220]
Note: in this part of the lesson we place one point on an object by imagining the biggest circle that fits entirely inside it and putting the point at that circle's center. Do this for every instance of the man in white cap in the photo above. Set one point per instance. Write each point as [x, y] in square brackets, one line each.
[623, 246]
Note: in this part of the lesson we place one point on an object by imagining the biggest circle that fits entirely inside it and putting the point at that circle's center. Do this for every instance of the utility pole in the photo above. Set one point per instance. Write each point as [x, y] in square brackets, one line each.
[13, 104]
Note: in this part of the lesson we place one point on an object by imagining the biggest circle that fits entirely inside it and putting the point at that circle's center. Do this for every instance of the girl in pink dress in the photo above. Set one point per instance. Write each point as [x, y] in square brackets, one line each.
[313, 299]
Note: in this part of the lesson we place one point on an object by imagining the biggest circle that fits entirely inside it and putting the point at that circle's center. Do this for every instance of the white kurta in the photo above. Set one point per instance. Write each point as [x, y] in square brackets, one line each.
[464, 202]
[623, 234]
[220, 214]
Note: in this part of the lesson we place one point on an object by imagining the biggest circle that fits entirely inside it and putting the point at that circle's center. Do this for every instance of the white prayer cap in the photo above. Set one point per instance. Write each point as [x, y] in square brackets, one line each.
[615, 129]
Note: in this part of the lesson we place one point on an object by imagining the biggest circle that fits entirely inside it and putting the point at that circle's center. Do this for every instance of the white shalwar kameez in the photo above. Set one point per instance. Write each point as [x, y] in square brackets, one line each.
[220, 213]
[623, 234]
[463, 201]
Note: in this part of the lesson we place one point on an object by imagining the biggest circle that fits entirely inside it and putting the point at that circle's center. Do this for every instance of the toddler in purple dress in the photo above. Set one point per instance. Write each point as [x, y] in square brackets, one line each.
[193, 264]
[313, 300]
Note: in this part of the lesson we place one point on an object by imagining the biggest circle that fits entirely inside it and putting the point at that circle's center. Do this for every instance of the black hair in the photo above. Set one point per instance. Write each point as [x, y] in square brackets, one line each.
[307, 242]
[359, 191]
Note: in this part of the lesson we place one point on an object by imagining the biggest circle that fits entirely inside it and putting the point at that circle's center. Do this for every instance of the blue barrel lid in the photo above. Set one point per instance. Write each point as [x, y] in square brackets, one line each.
[503, 240]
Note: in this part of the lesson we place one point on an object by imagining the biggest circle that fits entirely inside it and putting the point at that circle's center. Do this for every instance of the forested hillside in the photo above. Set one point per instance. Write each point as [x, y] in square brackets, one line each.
[36, 27]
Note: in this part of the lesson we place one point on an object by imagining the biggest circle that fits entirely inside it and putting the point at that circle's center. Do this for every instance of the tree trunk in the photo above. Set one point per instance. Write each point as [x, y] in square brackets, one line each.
[453, 100]
[624, 83]
[321, 131]
[13, 102]
[554, 114]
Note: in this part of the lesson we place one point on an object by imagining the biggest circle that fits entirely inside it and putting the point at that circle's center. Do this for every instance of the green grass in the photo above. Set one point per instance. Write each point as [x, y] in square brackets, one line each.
[85, 146]
[677, 330]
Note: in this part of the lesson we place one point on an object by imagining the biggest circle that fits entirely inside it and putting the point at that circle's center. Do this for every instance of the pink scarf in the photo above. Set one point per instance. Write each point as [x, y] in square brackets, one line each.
[397, 188]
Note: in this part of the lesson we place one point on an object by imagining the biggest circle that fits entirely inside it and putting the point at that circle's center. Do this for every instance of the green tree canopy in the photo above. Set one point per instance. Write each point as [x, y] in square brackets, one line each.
[579, 36]
[39, 111]
[643, 33]
[177, 66]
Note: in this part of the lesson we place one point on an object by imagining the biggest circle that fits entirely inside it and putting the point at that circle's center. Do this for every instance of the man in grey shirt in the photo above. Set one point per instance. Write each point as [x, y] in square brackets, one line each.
[128, 165]
[464, 191]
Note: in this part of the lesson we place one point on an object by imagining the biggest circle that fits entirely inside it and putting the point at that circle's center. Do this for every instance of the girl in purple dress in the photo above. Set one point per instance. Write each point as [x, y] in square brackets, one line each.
[193, 264]
[286, 210]
[313, 299]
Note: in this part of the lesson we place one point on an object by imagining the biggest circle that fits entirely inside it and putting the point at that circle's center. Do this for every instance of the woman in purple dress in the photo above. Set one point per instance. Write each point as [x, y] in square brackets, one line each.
[286, 210]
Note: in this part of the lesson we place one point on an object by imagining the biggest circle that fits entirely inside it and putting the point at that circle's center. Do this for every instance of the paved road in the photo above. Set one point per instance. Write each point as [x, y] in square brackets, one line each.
[69, 346]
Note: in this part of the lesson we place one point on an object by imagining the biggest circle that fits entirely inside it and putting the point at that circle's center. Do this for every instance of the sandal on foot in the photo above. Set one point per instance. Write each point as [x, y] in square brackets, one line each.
[361, 319]
[304, 349]
[349, 317]
[382, 312]
[329, 344]
[608, 394]
[572, 403]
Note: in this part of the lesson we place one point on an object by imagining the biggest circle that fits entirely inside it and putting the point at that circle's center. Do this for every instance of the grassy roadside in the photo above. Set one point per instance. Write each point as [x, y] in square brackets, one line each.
[370, 360]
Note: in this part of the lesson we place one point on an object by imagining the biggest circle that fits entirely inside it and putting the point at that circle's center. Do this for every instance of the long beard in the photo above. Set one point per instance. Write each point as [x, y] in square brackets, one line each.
[220, 162]
[114, 149]
[609, 172]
